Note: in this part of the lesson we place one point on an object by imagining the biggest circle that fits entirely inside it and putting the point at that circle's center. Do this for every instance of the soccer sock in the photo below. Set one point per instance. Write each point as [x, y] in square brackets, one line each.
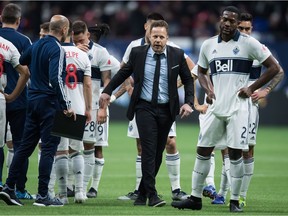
[97, 172]
[78, 170]
[248, 173]
[1, 162]
[227, 168]
[70, 178]
[173, 167]
[52, 181]
[200, 172]
[224, 184]
[237, 172]
[138, 172]
[61, 170]
[210, 176]
[39, 156]
[88, 167]
[10, 155]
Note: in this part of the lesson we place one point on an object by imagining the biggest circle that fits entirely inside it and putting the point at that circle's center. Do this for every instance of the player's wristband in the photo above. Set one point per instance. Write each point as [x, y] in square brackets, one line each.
[112, 98]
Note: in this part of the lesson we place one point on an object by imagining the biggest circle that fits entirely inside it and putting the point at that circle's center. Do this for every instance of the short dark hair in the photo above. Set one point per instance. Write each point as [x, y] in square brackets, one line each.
[246, 17]
[232, 9]
[10, 13]
[159, 23]
[98, 30]
[154, 16]
[45, 26]
[79, 27]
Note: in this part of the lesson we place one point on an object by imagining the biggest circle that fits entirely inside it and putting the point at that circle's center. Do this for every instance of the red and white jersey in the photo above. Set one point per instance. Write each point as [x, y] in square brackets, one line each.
[8, 55]
[230, 63]
[100, 61]
[141, 42]
[77, 66]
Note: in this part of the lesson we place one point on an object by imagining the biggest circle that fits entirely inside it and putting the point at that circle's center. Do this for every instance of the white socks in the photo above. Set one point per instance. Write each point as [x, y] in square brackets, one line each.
[78, 170]
[61, 170]
[9, 158]
[173, 167]
[88, 167]
[210, 176]
[138, 172]
[236, 172]
[97, 172]
[248, 173]
[199, 174]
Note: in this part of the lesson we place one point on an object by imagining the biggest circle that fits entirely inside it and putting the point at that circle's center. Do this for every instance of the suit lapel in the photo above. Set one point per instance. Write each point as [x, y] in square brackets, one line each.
[169, 63]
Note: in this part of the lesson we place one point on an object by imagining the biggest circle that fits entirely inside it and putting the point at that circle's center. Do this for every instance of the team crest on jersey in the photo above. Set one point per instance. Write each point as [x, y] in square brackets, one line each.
[90, 57]
[130, 127]
[236, 50]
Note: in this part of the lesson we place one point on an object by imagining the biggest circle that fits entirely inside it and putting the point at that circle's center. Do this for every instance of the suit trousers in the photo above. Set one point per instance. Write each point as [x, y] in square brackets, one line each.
[153, 125]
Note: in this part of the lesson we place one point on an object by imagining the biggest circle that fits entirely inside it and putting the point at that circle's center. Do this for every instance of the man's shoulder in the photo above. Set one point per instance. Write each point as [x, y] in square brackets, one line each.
[137, 42]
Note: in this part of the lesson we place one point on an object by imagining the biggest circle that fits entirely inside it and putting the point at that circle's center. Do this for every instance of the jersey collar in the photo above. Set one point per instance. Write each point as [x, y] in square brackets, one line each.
[235, 37]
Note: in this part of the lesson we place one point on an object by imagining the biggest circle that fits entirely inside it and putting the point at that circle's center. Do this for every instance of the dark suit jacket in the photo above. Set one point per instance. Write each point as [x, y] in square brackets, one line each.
[176, 66]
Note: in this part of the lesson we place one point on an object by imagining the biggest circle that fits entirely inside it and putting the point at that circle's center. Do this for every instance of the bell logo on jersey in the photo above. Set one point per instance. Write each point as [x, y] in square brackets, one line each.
[224, 67]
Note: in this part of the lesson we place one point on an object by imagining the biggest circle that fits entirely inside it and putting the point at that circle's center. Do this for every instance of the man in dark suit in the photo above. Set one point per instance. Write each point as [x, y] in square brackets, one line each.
[154, 101]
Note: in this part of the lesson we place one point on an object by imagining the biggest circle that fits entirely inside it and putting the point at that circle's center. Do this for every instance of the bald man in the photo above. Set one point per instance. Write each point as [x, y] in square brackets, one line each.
[47, 63]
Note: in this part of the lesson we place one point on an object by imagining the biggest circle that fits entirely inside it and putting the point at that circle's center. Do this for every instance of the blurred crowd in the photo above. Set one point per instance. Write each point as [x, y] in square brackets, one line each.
[186, 18]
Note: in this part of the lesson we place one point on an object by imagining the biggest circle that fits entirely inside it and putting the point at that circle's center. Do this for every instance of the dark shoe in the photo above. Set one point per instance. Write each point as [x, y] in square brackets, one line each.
[47, 201]
[9, 197]
[191, 202]
[141, 200]
[70, 193]
[178, 195]
[130, 196]
[92, 193]
[155, 201]
[234, 206]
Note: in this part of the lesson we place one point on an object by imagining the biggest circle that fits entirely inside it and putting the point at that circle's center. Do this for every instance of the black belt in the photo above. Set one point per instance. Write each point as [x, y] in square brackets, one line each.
[160, 105]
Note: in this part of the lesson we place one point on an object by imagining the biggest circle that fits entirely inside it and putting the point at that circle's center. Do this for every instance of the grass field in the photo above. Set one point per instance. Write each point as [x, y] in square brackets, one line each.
[267, 195]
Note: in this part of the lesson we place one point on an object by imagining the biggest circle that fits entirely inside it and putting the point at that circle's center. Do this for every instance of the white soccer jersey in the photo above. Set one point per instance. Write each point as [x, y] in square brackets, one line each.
[233, 58]
[100, 61]
[115, 65]
[8, 54]
[141, 42]
[77, 66]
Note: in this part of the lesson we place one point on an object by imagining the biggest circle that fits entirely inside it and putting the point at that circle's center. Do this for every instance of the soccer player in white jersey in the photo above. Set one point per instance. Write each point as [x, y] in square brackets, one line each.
[78, 87]
[245, 26]
[172, 155]
[229, 56]
[94, 138]
[9, 55]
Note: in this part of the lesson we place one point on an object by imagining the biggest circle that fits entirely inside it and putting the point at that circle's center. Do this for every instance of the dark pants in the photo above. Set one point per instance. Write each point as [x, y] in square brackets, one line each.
[16, 119]
[153, 127]
[39, 122]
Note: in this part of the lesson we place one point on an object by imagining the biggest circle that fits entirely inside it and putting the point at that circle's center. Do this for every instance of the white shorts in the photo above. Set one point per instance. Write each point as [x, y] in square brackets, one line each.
[133, 130]
[253, 122]
[214, 131]
[2, 121]
[96, 133]
[74, 144]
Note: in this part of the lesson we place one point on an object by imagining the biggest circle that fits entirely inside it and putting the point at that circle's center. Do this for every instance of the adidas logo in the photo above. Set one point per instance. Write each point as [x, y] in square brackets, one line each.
[242, 142]
[91, 135]
[100, 139]
[253, 138]
[214, 51]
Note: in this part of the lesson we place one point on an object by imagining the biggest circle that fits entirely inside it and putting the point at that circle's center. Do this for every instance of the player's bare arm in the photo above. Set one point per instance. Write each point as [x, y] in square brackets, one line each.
[87, 92]
[21, 83]
[203, 77]
[273, 68]
[262, 93]
[106, 77]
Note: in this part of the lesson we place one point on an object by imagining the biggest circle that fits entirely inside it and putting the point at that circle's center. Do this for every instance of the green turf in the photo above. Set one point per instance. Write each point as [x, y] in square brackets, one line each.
[268, 194]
